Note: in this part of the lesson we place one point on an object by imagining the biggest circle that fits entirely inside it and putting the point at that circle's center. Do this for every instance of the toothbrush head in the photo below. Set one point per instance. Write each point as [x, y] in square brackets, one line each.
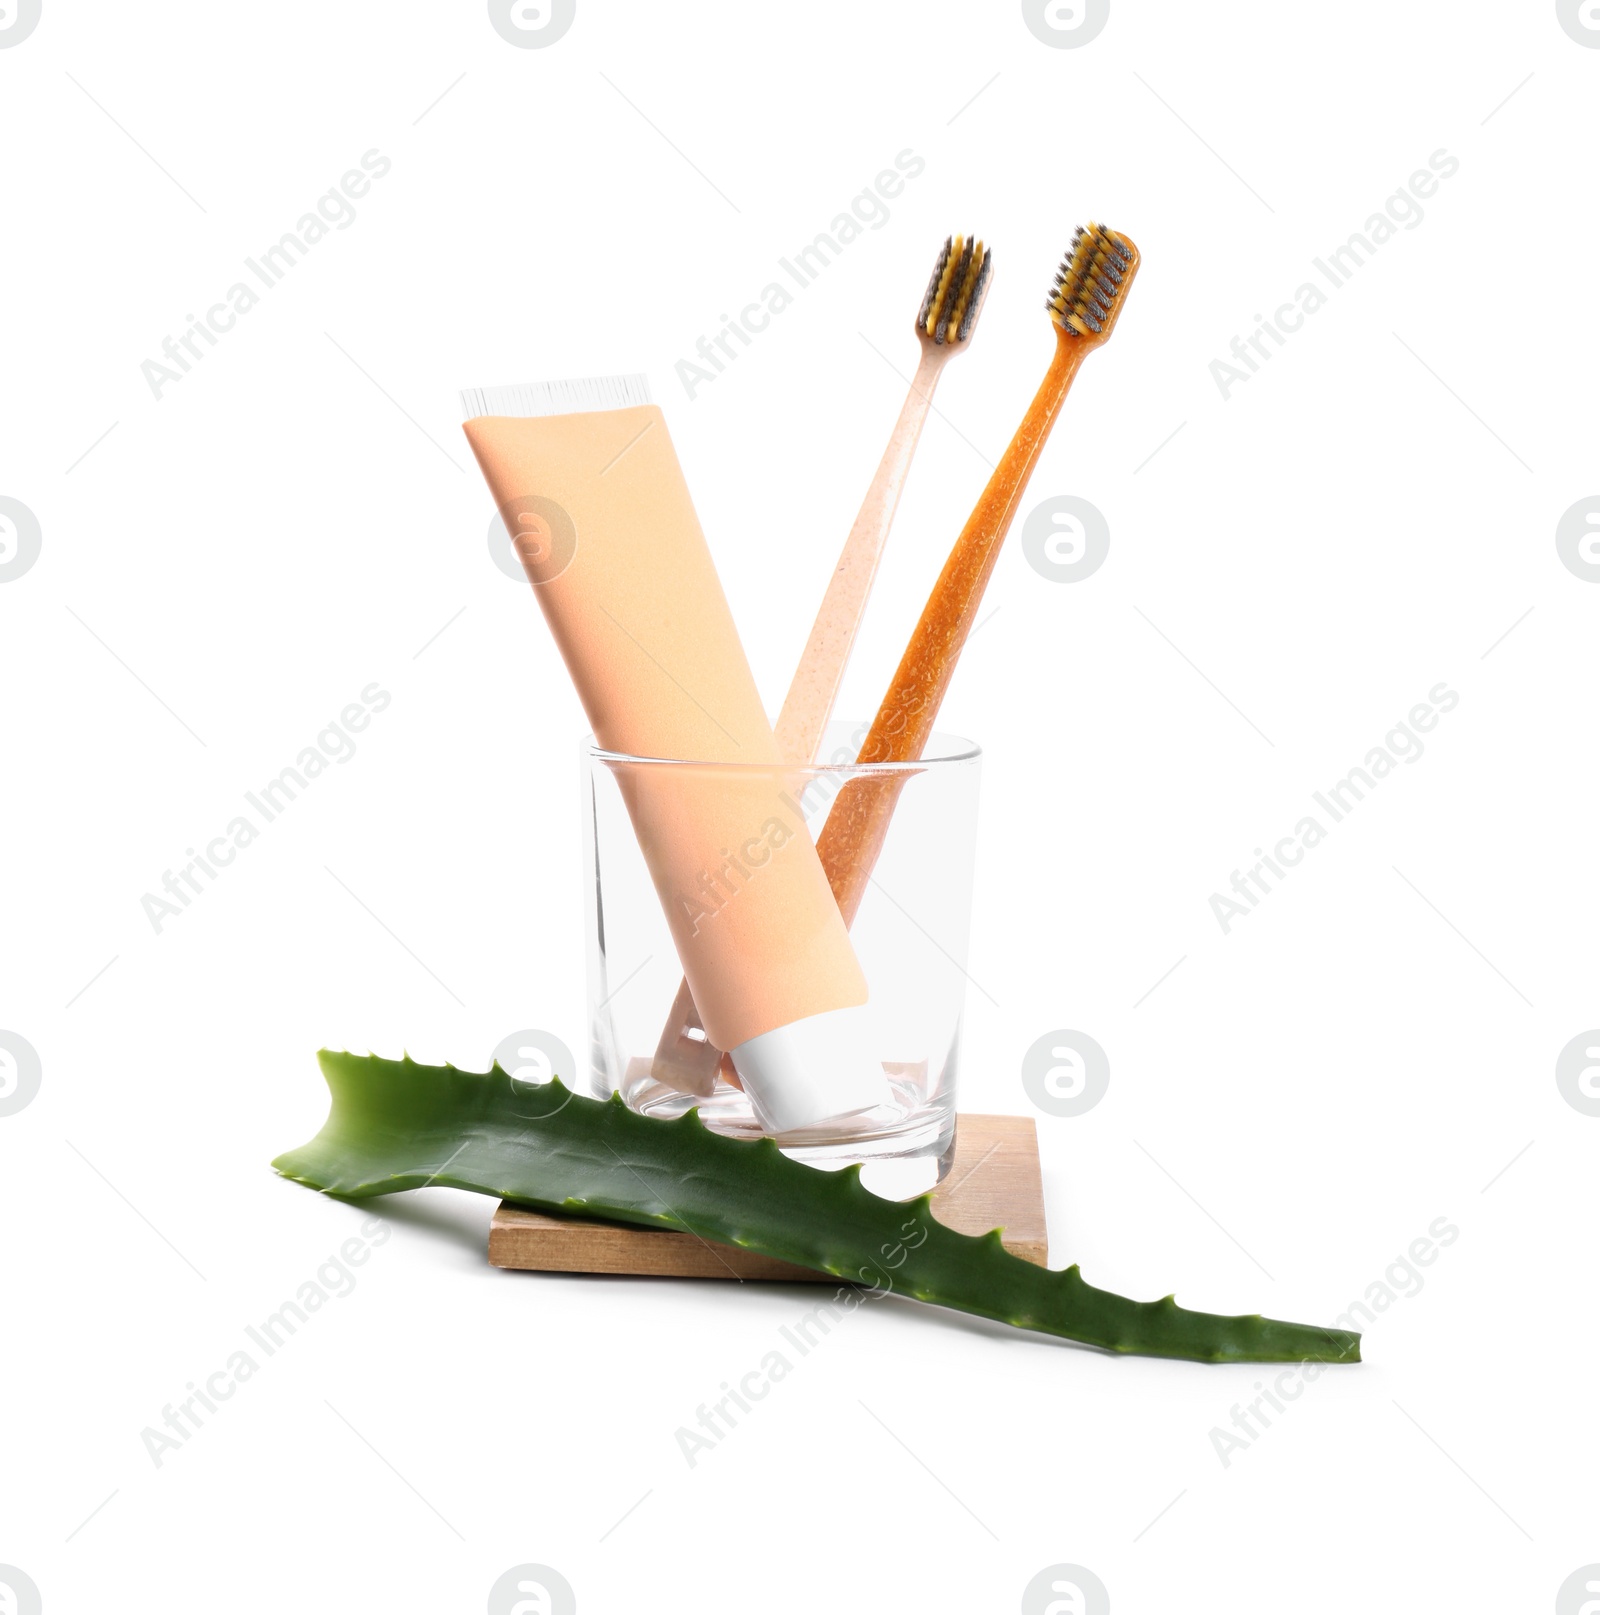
[955, 294]
[1092, 283]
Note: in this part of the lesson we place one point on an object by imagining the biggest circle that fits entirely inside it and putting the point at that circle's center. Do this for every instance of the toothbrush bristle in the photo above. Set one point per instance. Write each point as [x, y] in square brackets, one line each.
[1092, 281]
[955, 293]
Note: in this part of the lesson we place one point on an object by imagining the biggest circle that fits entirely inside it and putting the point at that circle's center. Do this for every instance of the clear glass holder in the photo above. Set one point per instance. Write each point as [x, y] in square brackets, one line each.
[910, 935]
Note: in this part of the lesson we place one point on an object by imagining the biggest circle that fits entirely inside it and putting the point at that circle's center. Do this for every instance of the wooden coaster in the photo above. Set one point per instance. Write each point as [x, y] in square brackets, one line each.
[993, 1182]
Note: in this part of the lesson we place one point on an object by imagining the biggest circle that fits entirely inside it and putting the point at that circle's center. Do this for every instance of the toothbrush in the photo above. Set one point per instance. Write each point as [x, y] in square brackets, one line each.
[1090, 290]
[684, 1060]
[945, 323]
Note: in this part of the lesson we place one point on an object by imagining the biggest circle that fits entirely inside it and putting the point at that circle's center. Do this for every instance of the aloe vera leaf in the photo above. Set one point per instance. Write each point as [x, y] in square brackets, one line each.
[399, 1125]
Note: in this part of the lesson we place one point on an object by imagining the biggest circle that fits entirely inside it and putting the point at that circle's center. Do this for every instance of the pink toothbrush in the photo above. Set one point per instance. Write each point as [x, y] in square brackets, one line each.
[685, 1060]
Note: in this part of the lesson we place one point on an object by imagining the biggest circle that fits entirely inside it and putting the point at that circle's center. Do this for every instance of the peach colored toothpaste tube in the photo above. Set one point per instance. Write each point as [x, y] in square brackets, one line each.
[588, 484]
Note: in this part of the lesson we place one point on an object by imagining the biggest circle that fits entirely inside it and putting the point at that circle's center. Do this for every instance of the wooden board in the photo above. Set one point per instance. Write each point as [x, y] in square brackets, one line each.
[993, 1182]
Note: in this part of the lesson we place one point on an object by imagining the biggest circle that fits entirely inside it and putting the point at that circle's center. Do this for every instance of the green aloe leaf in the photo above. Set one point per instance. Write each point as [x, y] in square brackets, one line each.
[399, 1125]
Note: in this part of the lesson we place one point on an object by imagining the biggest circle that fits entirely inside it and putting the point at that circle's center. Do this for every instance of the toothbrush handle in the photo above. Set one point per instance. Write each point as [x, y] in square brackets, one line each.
[816, 681]
[859, 821]
[690, 1065]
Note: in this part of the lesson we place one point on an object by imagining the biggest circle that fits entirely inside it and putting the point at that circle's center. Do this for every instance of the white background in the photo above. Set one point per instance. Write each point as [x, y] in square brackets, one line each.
[1288, 575]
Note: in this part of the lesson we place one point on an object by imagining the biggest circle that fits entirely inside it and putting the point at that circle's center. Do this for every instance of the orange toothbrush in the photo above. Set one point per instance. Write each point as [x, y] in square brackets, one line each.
[1090, 290]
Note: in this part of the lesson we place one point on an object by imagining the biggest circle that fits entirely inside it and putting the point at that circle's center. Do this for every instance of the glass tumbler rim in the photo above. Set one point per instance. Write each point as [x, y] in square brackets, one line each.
[943, 750]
